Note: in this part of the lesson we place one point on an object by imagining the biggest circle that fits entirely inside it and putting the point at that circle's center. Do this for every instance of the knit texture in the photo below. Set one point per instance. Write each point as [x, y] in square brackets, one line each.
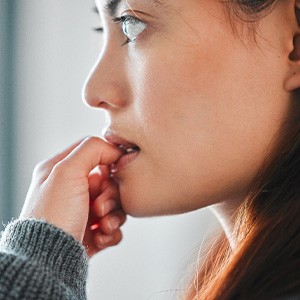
[41, 261]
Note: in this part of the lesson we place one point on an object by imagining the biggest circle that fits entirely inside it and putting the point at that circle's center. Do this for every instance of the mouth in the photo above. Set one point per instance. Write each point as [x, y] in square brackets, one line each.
[120, 142]
[130, 153]
[130, 150]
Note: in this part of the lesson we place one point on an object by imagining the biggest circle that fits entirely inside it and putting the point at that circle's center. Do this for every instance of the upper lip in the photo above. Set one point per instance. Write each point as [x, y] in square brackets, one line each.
[112, 137]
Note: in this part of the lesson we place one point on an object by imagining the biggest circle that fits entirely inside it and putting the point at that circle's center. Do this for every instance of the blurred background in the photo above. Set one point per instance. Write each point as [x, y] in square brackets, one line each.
[47, 48]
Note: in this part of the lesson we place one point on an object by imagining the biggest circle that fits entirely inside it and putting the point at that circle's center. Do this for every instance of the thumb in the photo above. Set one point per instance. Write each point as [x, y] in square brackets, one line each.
[90, 153]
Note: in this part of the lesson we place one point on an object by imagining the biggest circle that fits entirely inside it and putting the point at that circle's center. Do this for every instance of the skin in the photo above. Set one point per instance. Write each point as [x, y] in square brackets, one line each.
[204, 102]
[192, 95]
[72, 191]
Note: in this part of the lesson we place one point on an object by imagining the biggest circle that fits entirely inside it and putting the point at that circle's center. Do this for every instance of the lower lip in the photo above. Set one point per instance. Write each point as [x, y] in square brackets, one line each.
[125, 160]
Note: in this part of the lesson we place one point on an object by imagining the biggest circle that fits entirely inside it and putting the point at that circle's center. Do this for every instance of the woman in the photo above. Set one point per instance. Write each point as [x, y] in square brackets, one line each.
[203, 98]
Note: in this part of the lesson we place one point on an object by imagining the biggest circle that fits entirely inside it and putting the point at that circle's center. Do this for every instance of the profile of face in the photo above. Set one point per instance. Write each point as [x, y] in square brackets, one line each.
[201, 98]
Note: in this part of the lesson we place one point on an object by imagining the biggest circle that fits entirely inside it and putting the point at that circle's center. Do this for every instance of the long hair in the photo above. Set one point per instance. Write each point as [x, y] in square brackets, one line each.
[266, 261]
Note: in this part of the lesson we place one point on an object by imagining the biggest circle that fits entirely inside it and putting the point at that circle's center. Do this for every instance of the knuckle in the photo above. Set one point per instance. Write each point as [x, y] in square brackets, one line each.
[40, 166]
[92, 140]
[122, 220]
[118, 236]
[104, 241]
[61, 167]
[42, 169]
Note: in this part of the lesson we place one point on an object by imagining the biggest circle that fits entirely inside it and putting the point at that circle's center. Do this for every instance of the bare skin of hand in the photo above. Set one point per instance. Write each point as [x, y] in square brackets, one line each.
[73, 191]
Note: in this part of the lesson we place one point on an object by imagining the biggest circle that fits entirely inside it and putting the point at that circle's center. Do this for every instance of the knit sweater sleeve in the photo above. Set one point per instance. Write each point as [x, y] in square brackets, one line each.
[41, 261]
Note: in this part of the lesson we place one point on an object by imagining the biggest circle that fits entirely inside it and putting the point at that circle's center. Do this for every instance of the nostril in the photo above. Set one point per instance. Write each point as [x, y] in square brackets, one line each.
[103, 105]
[92, 100]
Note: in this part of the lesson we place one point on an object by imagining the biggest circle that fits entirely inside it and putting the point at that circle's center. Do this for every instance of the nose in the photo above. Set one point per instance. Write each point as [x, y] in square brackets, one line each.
[105, 86]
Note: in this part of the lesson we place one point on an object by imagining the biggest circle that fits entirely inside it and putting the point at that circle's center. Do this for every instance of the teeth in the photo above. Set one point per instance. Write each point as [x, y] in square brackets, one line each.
[122, 147]
[128, 150]
[113, 168]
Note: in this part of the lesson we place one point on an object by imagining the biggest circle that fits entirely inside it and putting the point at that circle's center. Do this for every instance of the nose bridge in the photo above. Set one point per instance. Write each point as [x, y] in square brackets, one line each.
[104, 87]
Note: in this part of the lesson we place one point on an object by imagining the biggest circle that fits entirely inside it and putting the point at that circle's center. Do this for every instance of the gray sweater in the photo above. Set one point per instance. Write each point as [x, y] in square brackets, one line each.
[41, 261]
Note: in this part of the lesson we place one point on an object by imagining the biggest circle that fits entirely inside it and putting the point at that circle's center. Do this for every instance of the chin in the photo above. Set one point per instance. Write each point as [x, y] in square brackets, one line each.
[135, 199]
[139, 205]
[134, 207]
[141, 197]
[142, 204]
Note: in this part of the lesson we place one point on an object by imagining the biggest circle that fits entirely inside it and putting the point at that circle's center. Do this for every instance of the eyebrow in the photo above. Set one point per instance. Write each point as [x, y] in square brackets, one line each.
[112, 5]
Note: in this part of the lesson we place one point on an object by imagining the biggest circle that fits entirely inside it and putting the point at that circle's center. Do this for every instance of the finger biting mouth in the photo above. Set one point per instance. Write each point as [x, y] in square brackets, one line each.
[128, 151]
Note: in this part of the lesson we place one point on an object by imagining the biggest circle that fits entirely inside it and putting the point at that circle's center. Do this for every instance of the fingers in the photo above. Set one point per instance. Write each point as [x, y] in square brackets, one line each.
[99, 180]
[106, 217]
[106, 209]
[61, 155]
[104, 233]
[83, 156]
[103, 241]
[106, 202]
[111, 222]
[43, 168]
[95, 182]
[90, 153]
[96, 241]
[105, 171]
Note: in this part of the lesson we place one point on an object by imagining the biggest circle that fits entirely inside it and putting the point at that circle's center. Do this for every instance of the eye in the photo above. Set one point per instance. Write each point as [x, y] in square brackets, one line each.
[131, 27]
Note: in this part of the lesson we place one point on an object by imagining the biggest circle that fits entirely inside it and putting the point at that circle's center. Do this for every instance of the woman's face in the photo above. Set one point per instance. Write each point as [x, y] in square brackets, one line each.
[201, 101]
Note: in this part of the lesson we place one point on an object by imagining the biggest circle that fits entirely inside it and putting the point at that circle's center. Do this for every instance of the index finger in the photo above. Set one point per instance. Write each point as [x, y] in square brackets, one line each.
[90, 153]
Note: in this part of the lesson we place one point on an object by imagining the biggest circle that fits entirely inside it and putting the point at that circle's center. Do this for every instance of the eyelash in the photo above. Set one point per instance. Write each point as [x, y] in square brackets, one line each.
[121, 19]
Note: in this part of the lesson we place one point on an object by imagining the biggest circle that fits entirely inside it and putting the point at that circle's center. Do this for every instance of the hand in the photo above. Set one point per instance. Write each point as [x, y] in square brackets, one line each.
[106, 215]
[64, 186]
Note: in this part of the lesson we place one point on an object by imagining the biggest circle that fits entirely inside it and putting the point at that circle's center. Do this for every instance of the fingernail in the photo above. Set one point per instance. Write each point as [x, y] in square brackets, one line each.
[104, 239]
[108, 206]
[114, 223]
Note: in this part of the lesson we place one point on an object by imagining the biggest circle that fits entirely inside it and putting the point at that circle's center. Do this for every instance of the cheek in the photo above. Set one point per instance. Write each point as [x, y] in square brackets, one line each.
[205, 132]
[163, 111]
[185, 151]
[166, 91]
